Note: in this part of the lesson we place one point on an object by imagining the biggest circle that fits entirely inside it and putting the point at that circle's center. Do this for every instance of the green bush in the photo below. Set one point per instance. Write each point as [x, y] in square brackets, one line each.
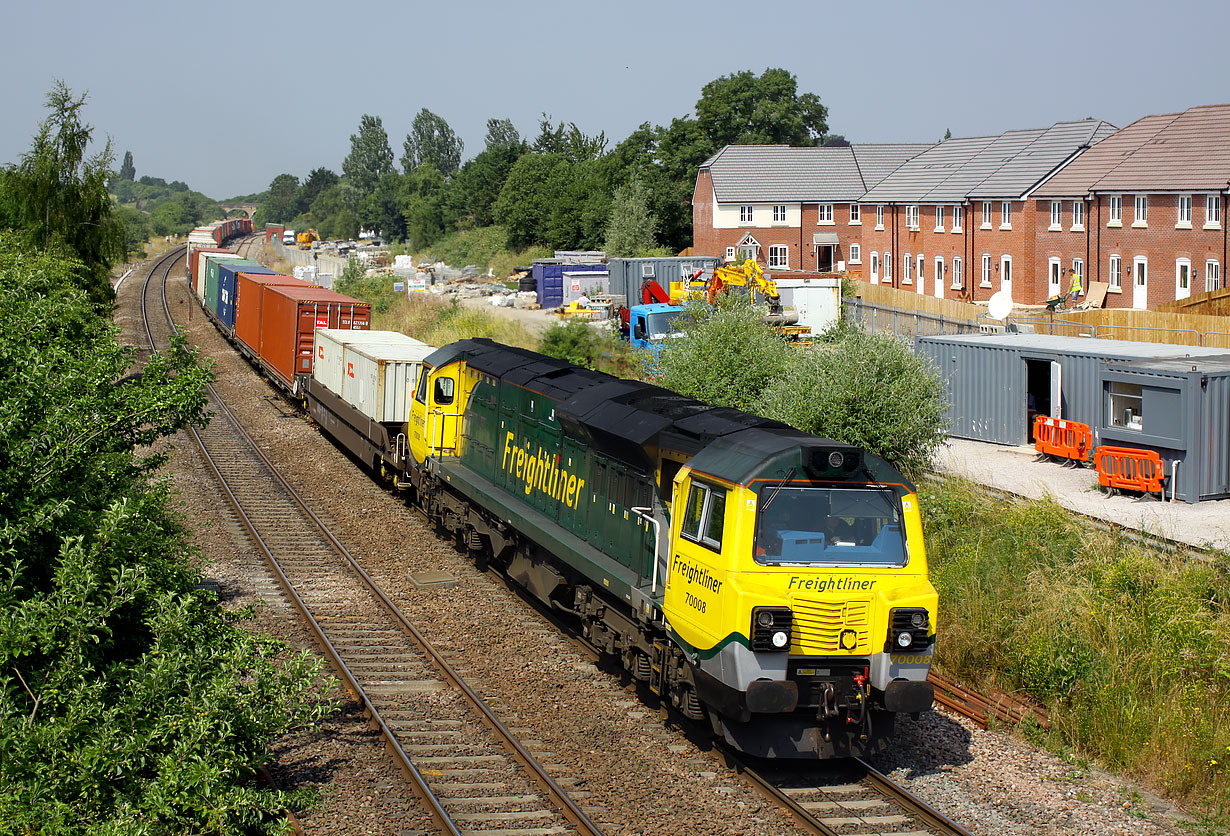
[586, 345]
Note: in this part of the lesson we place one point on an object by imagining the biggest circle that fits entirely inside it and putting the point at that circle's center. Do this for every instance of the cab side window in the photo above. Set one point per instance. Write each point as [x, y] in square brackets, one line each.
[420, 391]
[705, 515]
[444, 391]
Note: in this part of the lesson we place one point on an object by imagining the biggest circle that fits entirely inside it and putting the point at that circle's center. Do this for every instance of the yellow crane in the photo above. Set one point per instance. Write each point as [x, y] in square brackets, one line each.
[750, 275]
[305, 239]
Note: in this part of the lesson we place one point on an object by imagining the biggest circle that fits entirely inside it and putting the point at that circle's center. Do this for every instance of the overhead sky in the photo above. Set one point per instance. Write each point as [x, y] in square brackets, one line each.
[226, 95]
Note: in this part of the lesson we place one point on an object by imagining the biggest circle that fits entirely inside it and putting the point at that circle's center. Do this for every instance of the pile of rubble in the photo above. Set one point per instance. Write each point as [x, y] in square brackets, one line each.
[440, 279]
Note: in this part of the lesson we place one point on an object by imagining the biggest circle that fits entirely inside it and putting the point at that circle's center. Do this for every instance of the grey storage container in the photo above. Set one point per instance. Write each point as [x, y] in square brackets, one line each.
[373, 371]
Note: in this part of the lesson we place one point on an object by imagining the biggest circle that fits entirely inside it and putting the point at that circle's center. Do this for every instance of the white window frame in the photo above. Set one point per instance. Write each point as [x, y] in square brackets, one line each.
[911, 216]
[1212, 211]
[856, 214]
[907, 267]
[939, 218]
[1182, 269]
[731, 254]
[746, 214]
[879, 216]
[779, 256]
[856, 254]
[1114, 274]
[1078, 264]
[1114, 210]
[1056, 216]
[888, 266]
[701, 535]
[824, 213]
[958, 273]
[958, 218]
[1183, 212]
[985, 281]
[986, 215]
[779, 213]
[1140, 211]
[1212, 274]
[1054, 277]
[1078, 216]
[1005, 214]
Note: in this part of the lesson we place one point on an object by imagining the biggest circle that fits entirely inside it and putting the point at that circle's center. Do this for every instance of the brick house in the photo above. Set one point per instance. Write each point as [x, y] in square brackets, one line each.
[1153, 195]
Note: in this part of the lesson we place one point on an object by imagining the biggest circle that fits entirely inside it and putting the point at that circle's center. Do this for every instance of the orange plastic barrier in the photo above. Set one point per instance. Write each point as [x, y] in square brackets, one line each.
[1129, 468]
[1065, 439]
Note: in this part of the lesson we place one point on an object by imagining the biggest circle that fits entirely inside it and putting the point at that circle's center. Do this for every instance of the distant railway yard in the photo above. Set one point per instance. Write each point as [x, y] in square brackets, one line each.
[612, 757]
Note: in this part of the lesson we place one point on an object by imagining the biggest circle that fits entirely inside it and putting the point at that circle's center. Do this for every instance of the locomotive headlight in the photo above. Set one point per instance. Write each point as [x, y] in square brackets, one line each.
[771, 628]
[764, 618]
[848, 640]
[905, 638]
[918, 619]
[780, 639]
[836, 460]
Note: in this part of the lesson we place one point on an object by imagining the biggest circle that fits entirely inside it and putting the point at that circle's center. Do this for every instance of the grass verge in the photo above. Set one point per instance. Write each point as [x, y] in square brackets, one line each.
[1128, 646]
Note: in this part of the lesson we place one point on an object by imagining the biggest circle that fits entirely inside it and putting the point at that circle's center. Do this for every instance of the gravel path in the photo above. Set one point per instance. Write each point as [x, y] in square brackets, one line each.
[635, 772]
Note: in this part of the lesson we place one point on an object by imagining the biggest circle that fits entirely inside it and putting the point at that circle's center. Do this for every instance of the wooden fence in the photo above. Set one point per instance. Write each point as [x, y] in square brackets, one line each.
[1212, 303]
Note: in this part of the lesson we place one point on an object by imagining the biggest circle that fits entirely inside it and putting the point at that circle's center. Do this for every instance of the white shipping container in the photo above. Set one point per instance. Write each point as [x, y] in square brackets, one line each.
[202, 267]
[373, 371]
[817, 300]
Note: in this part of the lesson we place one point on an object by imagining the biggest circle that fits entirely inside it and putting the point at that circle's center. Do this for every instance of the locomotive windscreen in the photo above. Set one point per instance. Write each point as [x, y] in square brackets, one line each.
[829, 526]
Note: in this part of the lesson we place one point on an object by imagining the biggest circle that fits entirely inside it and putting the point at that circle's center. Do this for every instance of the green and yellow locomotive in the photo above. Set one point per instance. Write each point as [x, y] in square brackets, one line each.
[768, 580]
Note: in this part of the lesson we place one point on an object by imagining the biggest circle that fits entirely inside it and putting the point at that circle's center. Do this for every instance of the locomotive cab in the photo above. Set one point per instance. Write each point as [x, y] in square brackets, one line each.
[798, 580]
[435, 414]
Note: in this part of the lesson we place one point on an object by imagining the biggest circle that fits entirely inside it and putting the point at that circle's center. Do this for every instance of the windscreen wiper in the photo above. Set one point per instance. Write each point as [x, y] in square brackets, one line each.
[777, 490]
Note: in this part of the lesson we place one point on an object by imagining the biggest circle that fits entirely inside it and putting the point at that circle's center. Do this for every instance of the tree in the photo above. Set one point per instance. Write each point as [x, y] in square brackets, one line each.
[281, 201]
[382, 210]
[746, 109]
[526, 200]
[869, 390]
[317, 181]
[567, 140]
[423, 214]
[632, 226]
[475, 187]
[136, 230]
[58, 195]
[728, 356]
[836, 141]
[501, 133]
[370, 157]
[431, 140]
[128, 171]
[110, 659]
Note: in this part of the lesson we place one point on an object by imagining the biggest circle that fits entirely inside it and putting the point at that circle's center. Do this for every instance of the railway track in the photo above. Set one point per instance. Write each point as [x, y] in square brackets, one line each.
[470, 772]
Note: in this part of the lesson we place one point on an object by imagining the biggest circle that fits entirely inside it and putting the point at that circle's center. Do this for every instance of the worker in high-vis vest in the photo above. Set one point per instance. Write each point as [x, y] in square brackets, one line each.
[1074, 290]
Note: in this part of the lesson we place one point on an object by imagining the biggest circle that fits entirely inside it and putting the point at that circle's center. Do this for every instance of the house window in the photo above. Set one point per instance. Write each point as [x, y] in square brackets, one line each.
[957, 213]
[1078, 215]
[1212, 275]
[1078, 264]
[1005, 211]
[745, 214]
[1115, 211]
[856, 254]
[1114, 273]
[986, 270]
[779, 214]
[1054, 277]
[911, 217]
[730, 254]
[939, 219]
[888, 266]
[1182, 278]
[1212, 210]
[1141, 215]
[1125, 402]
[958, 275]
[647, 271]
[779, 255]
[1056, 214]
[856, 214]
[986, 214]
[704, 515]
[826, 213]
[907, 268]
[880, 216]
[1184, 220]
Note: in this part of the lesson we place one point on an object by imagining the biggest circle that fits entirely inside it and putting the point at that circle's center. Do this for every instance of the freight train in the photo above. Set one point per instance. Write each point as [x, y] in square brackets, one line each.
[765, 580]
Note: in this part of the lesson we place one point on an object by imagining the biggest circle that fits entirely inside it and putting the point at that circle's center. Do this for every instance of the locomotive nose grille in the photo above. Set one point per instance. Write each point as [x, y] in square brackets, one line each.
[818, 626]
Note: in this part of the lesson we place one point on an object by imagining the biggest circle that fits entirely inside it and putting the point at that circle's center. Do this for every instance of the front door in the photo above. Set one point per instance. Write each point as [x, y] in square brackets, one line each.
[875, 268]
[1140, 283]
[939, 277]
[1005, 275]
[824, 258]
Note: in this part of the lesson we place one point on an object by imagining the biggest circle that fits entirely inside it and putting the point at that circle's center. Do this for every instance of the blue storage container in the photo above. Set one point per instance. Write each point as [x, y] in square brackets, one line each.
[228, 284]
[550, 278]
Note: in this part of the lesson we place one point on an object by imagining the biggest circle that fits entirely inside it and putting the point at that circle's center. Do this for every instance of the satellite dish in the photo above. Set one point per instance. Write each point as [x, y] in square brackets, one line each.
[999, 306]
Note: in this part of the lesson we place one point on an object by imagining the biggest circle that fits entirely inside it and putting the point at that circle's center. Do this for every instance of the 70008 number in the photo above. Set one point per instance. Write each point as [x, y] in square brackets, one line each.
[694, 602]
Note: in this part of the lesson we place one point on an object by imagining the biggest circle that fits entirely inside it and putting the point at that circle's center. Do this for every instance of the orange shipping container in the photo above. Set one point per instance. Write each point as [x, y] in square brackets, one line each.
[289, 317]
[248, 298]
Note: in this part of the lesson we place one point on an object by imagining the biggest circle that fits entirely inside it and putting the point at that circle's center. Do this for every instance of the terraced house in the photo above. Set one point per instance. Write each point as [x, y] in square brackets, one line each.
[969, 217]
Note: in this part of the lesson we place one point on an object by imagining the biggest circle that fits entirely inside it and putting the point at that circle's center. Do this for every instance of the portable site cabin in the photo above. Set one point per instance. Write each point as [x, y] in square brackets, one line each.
[628, 274]
[1131, 394]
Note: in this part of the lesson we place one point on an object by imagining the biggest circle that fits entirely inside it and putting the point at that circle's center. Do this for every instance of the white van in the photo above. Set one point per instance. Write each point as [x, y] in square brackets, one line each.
[288, 237]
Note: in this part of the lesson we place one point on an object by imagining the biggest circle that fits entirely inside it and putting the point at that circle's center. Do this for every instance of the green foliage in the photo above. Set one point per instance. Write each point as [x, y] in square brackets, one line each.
[746, 109]
[1127, 646]
[281, 201]
[57, 196]
[583, 344]
[501, 133]
[128, 171]
[631, 227]
[137, 230]
[129, 701]
[484, 247]
[370, 158]
[432, 141]
[869, 390]
[727, 356]
[525, 201]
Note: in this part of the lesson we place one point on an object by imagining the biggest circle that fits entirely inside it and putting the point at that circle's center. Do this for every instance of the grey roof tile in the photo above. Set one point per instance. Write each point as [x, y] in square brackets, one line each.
[1077, 178]
[779, 173]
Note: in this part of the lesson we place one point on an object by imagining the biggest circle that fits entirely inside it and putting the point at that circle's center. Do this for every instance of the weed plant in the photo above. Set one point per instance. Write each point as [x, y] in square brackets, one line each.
[1126, 645]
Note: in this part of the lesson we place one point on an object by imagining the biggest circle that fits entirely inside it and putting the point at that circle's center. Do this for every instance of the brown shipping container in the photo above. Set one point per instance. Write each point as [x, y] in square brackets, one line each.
[289, 318]
[194, 261]
[248, 299]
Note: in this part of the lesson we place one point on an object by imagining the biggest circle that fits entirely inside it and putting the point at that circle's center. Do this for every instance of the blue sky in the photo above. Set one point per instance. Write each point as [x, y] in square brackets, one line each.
[227, 95]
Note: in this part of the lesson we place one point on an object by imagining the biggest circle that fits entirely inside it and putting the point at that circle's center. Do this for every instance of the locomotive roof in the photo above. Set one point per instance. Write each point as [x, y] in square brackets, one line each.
[624, 417]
